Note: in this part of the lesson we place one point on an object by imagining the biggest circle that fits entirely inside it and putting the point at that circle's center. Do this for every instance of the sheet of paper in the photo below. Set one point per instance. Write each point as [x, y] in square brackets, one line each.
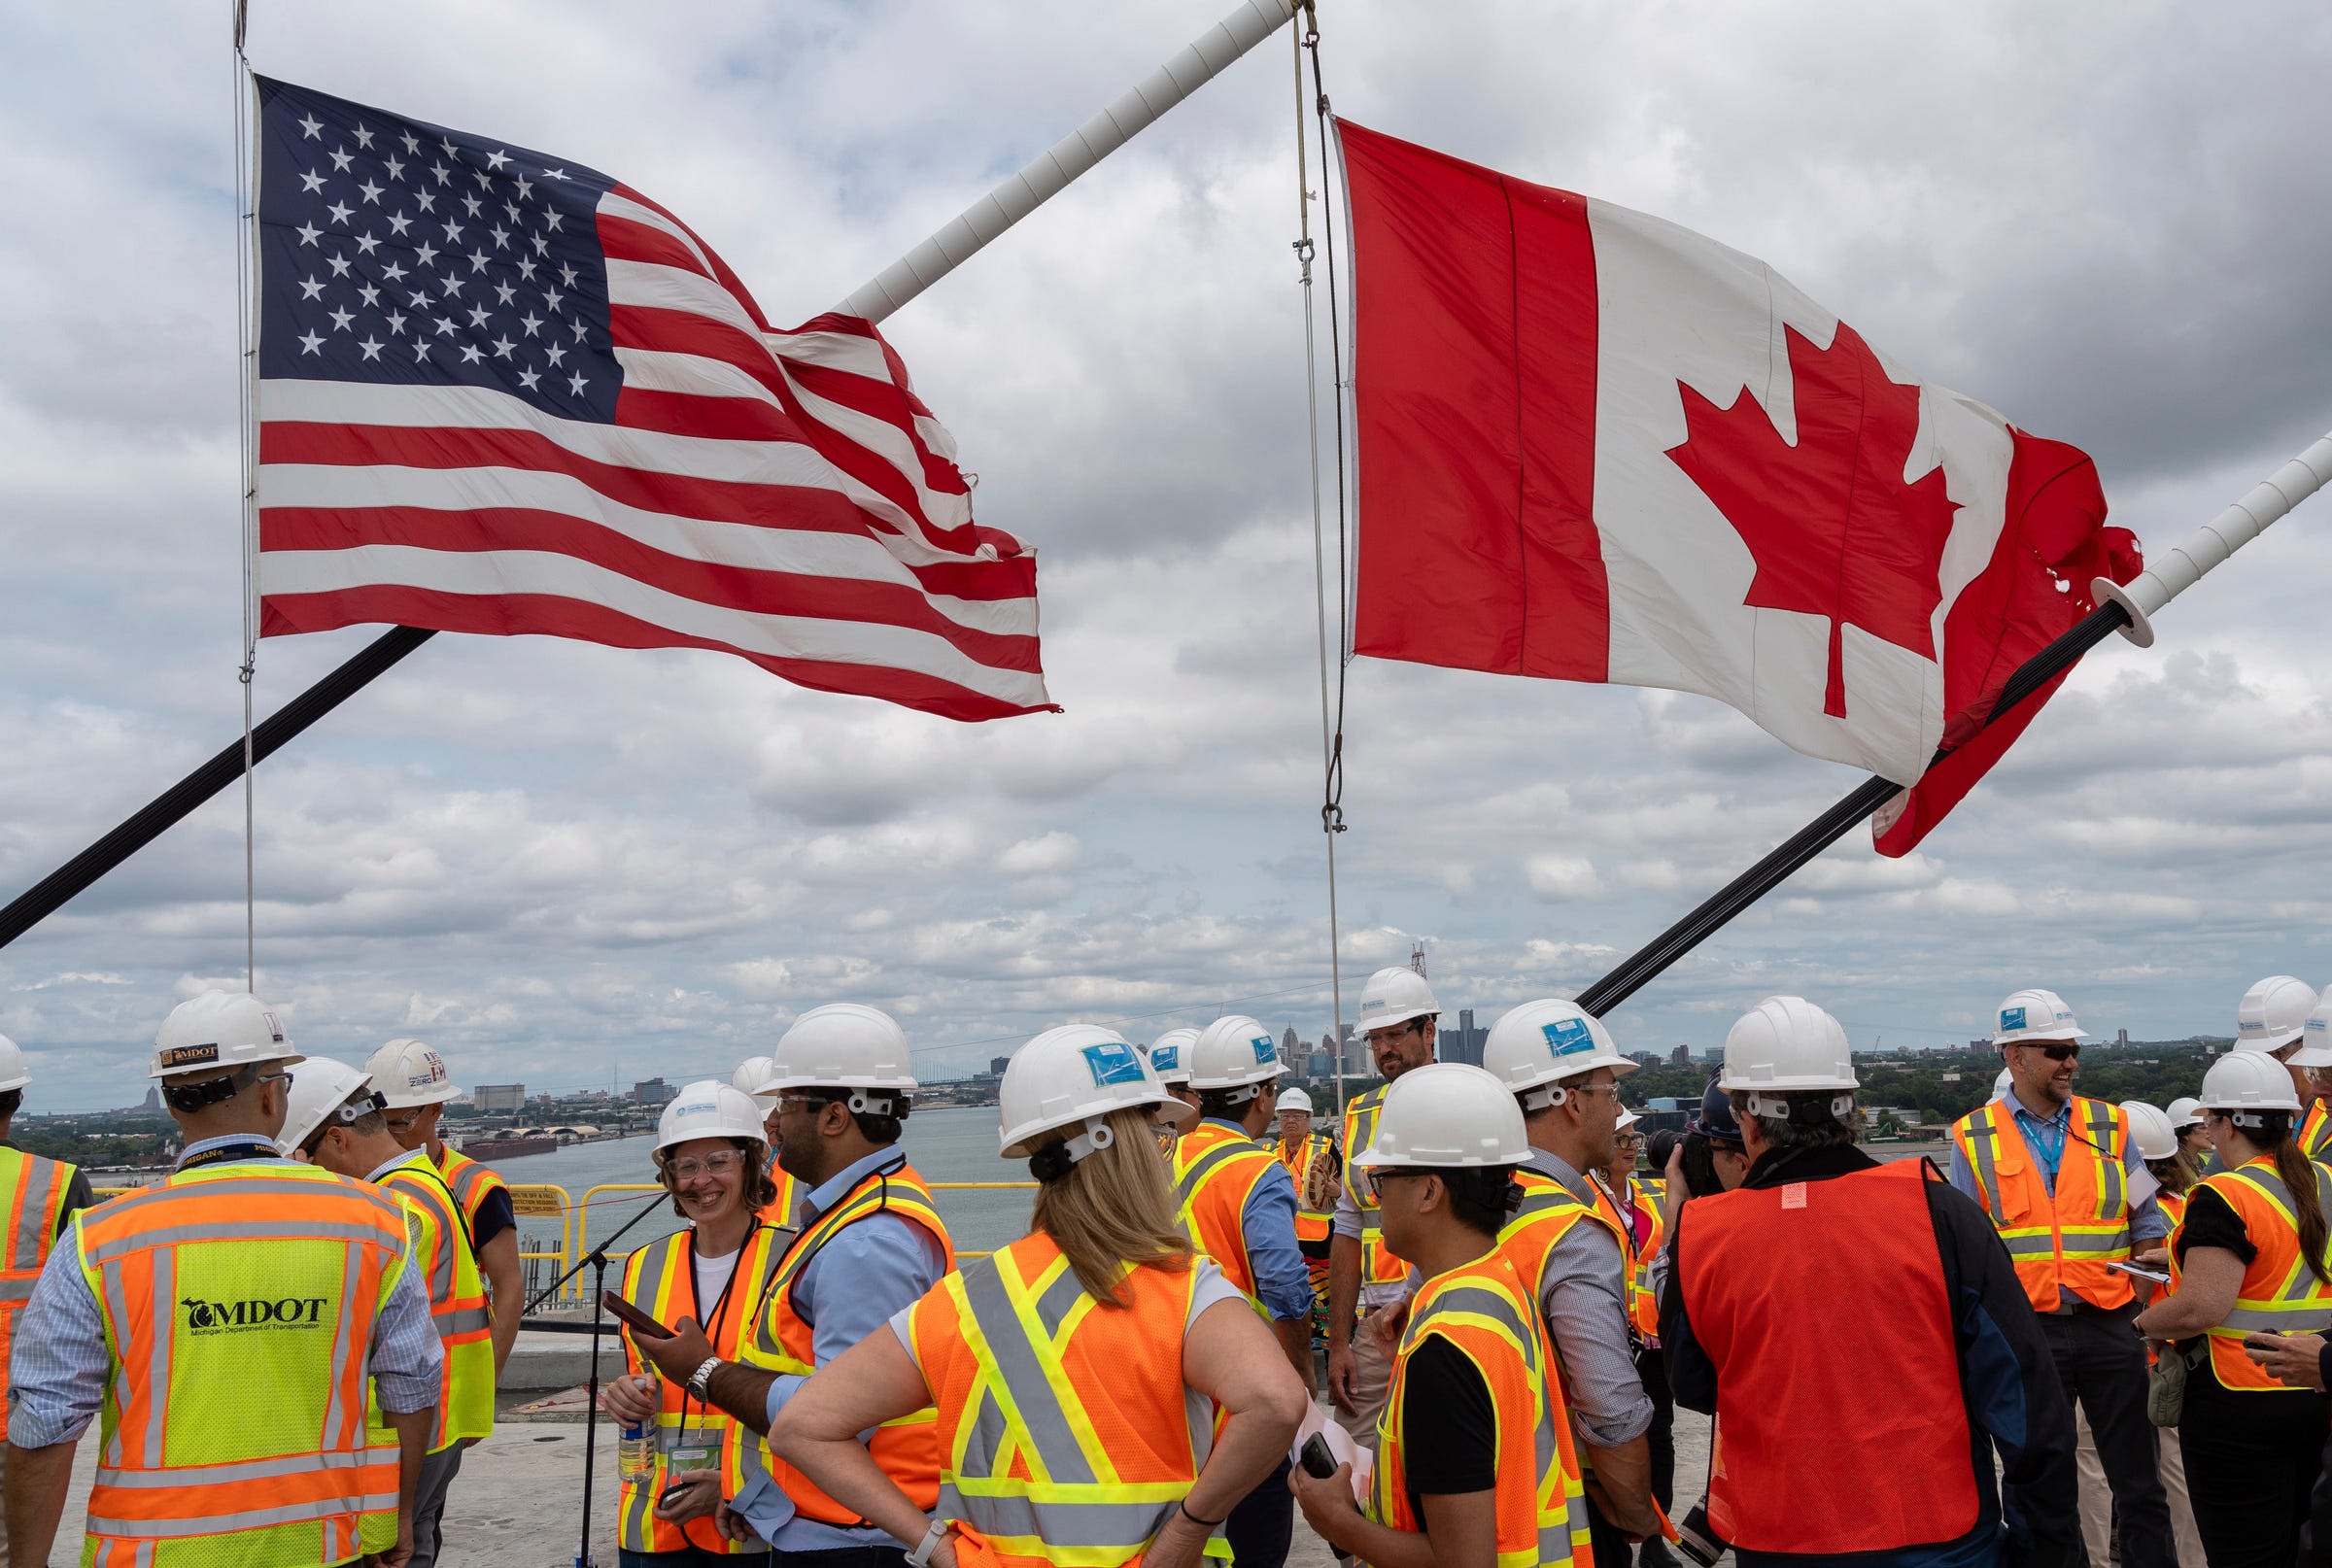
[1341, 1448]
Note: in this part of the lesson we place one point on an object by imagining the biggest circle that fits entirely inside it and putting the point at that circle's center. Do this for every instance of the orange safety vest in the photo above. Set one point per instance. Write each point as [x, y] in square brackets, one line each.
[660, 1279]
[1484, 1311]
[1066, 1433]
[784, 1341]
[238, 1301]
[783, 1210]
[2315, 1132]
[1312, 1225]
[457, 1304]
[1379, 1265]
[34, 1190]
[1799, 1467]
[473, 1185]
[2061, 1240]
[1643, 1303]
[2279, 1293]
[1216, 1170]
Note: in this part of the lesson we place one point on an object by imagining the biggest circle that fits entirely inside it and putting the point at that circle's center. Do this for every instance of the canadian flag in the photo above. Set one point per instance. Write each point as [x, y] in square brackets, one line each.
[1595, 446]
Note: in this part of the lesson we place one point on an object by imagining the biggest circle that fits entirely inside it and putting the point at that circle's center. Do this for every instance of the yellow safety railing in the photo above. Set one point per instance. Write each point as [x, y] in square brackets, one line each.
[544, 1201]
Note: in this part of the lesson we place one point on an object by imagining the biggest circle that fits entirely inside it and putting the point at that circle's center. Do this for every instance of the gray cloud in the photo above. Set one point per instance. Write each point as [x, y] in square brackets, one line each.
[560, 862]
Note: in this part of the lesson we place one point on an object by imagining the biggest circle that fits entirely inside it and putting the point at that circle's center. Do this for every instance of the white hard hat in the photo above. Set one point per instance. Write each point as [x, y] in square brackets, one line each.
[12, 1065]
[1170, 1055]
[219, 1028]
[1784, 1045]
[844, 1046]
[2316, 1036]
[2273, 1013]
[409, 1073]
[2183, 1113]
[2248, 1081]
[1234, 1052]
[1538, 1047]
[1295, 1100]
[753, 1071]
[2002, 1085]
[1394, 996]
[1627, 1119]
[1074, 1076]
[322, 1090]
[1447, 1115]
[2034, 1014]
[2150, 1129]
[709, 1108]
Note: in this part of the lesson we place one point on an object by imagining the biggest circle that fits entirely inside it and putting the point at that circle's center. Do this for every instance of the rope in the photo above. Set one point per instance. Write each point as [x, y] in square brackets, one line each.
[1331, 719]
[246, 272]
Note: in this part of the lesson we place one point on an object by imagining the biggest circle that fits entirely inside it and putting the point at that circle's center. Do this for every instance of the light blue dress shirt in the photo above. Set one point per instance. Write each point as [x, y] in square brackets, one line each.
[1283, 1283]
[2045, 1136]
[879, 1266]
[57, 1362]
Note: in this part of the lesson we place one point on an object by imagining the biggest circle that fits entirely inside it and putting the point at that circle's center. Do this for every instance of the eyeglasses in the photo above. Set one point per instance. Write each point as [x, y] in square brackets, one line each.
[271, 1078]
[811, 1103]
[1164, 1134]
[398, 1122]
[2062, 1050]
[688, 1167]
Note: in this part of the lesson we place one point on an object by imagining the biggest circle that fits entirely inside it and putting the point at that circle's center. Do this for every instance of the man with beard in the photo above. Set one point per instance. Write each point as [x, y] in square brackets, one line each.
[870, 1244]
[1399, 1017]
[2056, 1172]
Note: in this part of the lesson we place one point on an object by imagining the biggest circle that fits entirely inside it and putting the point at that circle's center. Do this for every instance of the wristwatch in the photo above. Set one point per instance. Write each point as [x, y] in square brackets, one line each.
[701, 1379]
[920, 1557]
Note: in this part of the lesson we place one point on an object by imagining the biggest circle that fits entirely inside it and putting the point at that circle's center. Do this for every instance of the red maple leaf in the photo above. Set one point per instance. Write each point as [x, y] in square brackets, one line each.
[1833, 528]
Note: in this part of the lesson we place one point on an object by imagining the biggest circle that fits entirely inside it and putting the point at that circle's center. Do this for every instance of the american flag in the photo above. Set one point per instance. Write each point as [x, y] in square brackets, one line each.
[502, 393]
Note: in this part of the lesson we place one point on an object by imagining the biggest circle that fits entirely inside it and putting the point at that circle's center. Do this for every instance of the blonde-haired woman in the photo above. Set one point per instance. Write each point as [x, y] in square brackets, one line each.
[1100, 1320]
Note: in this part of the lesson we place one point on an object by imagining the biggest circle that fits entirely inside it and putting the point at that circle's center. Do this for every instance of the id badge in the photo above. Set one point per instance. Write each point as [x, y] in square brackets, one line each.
[691, 1449]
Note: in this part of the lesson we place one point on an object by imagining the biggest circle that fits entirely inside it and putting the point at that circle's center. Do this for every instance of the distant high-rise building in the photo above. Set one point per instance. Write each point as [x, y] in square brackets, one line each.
[653, 1092]
[1288, 1044]
[1465, 1042]
[153, 1096]
[1320, 1066]
[499, 1099]
[1681, 1056]
[997, 1065]
[2121, 1036]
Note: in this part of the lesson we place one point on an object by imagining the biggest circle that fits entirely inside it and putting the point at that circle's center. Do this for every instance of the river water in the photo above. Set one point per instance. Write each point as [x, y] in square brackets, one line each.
[946, 1142]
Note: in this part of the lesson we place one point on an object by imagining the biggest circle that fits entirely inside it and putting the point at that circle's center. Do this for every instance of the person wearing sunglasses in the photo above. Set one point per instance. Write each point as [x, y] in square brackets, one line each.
[1103, 1395]
[870, 1243]
[2065, 1185]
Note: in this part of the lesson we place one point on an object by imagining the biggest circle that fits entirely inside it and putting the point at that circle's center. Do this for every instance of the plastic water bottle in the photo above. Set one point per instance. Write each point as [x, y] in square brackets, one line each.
[636, 1453]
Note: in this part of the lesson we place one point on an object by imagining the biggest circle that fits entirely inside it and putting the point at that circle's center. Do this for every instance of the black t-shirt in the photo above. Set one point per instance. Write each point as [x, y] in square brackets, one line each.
[1449, 1425]
[2211, 1221]
[494, 1217]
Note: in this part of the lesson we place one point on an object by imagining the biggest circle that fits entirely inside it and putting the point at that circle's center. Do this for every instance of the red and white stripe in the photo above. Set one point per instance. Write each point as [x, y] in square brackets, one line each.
[780, 495]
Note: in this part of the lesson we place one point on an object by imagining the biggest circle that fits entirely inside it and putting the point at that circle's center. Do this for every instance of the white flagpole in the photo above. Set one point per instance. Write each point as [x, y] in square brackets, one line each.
[2173, 572]
[1049, 174]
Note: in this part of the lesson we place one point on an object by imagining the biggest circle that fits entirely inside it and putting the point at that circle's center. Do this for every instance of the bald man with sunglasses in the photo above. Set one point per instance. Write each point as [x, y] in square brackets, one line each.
[2064, 1183]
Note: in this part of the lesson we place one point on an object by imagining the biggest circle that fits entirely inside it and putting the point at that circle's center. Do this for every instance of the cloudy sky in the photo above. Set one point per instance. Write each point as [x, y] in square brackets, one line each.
[565, 864]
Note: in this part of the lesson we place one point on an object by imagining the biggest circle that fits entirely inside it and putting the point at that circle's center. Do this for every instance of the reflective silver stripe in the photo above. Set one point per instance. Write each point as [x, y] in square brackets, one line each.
[1186, 1185]
[17, 1289]
[1074, 1524]
[2079, 1245]
[2111, 1194]
[1042, 1417]
[117, 1332]
[245, 1470]
[31, 1239]
[469, 1320]
[162, 1354]
[1980, 1133]
[2276, 1319]
[2042, 1245]
[341, 1423]
[420, 1179]
[637, 1509]
[241, 1230]
[256, 1519]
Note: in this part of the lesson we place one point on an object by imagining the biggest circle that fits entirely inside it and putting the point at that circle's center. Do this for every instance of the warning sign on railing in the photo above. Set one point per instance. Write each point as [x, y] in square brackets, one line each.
[539, 1202]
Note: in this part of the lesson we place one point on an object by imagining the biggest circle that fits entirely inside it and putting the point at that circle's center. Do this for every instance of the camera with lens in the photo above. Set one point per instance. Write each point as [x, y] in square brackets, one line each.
[1698, 1540]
